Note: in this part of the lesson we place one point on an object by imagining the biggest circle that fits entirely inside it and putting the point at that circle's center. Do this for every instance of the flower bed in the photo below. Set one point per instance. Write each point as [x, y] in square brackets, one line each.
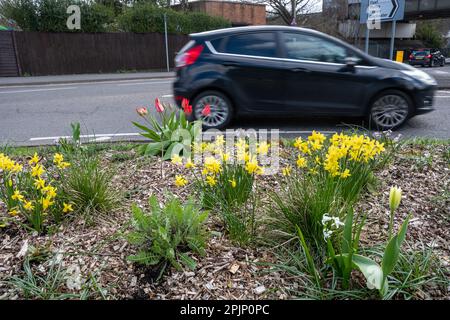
[88, 250]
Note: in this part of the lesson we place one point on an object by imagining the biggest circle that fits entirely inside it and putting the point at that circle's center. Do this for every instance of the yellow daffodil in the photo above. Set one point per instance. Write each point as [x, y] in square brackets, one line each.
[176, 159]
[39, 183]
[46, 203]
[34, 160]
[233, 183]
[16, 168]
[189, 164]
[252, 166]
[263, 148]
[37, 170]
[212, 165]
[58, 158]
[28, 206]
[63, 165]
[67, 207]
[13, 213]
[17, 196]
[220, 140]
[345, 174]
[286, 171]
[301, 162]
[180, 181]
[211, 181]
[225, 157]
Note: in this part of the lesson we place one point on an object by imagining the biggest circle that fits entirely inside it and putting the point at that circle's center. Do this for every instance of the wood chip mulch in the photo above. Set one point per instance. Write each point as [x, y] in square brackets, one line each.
[227, 271]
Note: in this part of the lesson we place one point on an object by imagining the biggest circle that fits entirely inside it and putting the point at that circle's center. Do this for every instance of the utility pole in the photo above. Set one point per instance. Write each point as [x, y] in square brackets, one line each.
[294, 12]
[167, 42]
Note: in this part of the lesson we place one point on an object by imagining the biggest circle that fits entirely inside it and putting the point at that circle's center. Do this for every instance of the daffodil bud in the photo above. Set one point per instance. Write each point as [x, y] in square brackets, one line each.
[395, 196]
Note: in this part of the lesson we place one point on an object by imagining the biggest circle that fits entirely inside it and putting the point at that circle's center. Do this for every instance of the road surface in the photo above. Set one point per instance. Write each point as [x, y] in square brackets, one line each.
[37, 114]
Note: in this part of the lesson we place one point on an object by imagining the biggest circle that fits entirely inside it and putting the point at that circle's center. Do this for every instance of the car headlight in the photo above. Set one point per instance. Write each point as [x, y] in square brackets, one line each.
[420, 76]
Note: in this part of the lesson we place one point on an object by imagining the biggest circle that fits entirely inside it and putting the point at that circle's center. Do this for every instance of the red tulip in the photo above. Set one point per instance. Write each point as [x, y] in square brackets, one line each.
[142, 111]
[206, 110]
[158, 105]
[186, 107]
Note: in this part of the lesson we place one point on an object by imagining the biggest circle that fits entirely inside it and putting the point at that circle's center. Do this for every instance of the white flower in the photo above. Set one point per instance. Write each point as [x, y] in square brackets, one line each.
[326, 218]
[337, 223]
[327, 234]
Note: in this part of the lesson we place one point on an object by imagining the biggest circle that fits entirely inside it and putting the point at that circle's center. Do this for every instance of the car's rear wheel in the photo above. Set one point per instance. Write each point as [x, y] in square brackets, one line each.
[390, 110]
[221, 109]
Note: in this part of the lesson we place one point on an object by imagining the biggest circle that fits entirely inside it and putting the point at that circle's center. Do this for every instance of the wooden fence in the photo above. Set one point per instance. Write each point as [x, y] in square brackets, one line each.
[42, 53]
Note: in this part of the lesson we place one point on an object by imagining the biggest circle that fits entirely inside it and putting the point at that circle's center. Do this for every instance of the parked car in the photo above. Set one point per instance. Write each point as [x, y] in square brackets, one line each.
[272, 70]
[426, 58]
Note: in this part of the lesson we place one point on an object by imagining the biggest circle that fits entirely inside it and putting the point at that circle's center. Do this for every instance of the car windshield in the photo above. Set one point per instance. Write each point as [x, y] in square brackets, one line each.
[421, 53]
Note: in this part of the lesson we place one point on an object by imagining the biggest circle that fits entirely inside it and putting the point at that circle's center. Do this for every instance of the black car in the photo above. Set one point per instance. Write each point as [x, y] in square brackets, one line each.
[426, 58]
[273, 70]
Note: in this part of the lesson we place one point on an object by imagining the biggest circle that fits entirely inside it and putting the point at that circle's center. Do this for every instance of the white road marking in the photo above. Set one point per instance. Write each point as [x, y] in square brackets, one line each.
[81, 83]
[107, 136]
[37, 90]
[167, 96]
[95, 136]
[441, 72]
[142, 83]
[442, 96]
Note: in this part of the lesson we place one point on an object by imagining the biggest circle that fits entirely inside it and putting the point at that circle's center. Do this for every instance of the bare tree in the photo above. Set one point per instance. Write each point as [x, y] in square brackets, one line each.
[288, 10]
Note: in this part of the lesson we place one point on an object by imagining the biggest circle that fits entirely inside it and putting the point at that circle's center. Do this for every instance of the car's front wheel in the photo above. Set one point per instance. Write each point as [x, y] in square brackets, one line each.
[390, 110]
[220, 111]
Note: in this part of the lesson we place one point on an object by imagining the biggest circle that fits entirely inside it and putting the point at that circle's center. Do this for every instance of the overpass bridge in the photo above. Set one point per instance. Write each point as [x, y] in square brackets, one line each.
[427, 9]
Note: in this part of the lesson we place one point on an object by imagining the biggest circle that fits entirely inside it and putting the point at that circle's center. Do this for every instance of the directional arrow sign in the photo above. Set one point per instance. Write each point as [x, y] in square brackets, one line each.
[387, 8]
[384, 10]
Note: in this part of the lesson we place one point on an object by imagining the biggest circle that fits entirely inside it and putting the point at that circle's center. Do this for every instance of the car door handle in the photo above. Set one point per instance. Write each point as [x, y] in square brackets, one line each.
[230, 64]
[297, 70]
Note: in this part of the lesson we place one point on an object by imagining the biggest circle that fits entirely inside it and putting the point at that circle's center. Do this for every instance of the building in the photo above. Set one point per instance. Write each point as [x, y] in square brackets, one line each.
[239, 13]
[345, 13]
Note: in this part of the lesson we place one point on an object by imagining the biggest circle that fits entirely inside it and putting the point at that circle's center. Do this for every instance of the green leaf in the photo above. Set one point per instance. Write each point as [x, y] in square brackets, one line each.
[370, 269]
[358, 233]
[168, 153]
[187, 261]
[136, 238]
[402, 231]
[149, 131]
[347, 240]
[153, 148]
[147, 258]
[307, 253]
[390, 256]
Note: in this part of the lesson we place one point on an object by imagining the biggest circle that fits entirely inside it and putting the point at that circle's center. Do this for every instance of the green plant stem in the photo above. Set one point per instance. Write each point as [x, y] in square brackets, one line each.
[391, 224]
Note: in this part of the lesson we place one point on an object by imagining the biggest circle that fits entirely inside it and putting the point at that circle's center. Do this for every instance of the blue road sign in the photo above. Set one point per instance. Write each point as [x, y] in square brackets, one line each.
[384, 10]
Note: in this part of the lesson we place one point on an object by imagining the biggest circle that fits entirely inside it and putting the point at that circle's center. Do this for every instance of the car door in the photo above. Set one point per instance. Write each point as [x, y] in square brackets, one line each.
[318, 81]
[254, 70]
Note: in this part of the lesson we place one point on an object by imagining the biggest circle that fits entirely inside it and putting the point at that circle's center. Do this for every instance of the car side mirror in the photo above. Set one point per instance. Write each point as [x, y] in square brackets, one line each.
[351, 62]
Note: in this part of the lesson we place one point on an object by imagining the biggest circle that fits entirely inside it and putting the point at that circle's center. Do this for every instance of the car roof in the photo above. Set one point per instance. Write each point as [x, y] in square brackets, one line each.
[234, 30]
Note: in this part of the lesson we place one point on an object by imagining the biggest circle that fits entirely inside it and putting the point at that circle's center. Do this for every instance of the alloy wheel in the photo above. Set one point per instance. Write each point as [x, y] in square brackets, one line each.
[390, 111]
[219, 110]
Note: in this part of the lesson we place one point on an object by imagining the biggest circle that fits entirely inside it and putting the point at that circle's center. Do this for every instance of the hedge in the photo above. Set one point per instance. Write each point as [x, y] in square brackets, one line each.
[51, 16]
[150, 18]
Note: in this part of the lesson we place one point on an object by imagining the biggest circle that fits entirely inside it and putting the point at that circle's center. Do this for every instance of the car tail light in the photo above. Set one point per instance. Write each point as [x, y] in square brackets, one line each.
[189, 56]
[429, 56]
[411, 56]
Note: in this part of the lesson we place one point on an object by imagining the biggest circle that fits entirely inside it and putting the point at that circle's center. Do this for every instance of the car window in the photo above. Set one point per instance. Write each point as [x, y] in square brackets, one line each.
[421, 53]
[261, 44]
[305, 47]
[217, 43]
